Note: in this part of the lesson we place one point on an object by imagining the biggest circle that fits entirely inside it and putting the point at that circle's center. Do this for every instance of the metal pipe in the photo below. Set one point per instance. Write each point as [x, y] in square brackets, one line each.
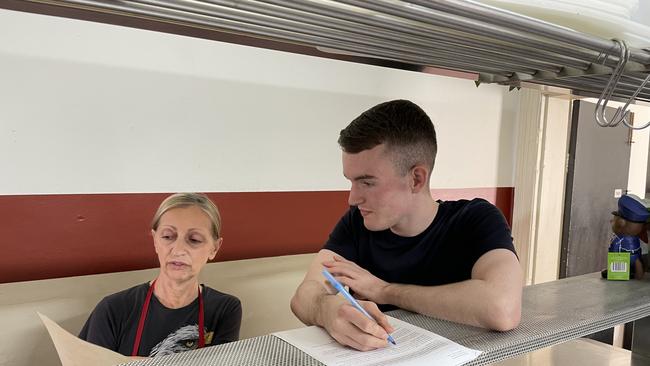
[476, 10]
[627, 83]
[420, 34]
[158, 13]
[422, 43]
[432, 33]
[424, 55]
[520, 57]
[596, 88]
[461, 24]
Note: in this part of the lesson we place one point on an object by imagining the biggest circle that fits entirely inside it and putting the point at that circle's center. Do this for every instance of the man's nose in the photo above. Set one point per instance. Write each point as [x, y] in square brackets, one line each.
[354, 198]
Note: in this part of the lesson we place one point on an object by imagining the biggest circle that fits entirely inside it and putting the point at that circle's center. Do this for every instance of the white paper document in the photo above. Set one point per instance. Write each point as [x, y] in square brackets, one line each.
[76, 352]
[415, 346]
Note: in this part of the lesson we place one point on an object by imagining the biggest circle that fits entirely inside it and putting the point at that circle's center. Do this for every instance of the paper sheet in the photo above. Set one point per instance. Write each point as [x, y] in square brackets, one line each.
[77, 352]
[415, 346]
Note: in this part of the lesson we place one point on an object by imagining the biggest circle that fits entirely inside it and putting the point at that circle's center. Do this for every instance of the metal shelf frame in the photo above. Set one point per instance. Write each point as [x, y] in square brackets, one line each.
[462, 35]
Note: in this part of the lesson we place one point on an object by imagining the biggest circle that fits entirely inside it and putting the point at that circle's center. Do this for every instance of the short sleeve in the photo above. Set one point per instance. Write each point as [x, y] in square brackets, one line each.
[342, 239]
[227, 329]
[101, 327]
[487, 228]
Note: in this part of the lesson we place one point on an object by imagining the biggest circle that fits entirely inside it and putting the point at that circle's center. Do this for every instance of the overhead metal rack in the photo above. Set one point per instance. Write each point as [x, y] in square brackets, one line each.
[497, 45]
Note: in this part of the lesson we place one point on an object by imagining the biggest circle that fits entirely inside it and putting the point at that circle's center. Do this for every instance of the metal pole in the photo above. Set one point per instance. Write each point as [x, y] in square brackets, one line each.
[484, 12]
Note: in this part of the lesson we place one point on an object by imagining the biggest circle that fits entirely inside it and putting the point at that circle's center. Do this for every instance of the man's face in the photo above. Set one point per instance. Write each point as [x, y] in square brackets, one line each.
[382, 195]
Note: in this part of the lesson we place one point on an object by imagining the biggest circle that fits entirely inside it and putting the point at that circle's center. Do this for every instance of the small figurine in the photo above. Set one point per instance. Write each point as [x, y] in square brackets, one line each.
[628, 224]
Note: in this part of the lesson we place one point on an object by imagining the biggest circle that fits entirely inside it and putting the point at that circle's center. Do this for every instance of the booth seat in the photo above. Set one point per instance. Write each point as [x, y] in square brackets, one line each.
[264, 286]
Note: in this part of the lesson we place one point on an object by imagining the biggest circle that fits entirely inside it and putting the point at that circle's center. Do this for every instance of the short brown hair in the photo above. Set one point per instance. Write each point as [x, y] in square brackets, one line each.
[182, 200]
[400, 124]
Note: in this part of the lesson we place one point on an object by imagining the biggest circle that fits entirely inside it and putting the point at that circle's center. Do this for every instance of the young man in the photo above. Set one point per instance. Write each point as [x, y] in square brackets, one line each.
[398, 247]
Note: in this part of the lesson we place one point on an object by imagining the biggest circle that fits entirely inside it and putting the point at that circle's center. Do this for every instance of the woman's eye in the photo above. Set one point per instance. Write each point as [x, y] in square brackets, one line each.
[196, 240]
[167, 236]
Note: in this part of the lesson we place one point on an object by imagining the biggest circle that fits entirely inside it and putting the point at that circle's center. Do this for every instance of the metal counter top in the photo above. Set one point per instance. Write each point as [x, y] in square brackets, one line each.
[552, 313]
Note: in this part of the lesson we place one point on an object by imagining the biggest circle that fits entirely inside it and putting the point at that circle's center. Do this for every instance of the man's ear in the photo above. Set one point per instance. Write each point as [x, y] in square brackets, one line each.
[419, 176]
[217, 246]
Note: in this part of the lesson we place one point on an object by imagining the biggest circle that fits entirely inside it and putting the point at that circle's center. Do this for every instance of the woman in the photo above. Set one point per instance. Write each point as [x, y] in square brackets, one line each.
[172, 313]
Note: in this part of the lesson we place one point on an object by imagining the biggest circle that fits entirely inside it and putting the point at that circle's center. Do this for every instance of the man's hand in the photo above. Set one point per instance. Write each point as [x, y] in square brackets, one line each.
[363, 283]
[313, 304]
[350, 327]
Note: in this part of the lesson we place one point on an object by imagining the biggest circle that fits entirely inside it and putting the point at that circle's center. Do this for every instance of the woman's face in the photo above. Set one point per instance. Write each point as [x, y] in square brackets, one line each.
[184, 243]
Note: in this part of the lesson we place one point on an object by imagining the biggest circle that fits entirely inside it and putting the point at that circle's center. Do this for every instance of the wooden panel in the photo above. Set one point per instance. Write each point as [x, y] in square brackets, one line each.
[48, 236]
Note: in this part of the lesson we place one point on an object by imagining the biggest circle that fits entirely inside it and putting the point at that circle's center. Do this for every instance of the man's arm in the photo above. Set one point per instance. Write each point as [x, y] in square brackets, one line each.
[490, 299]
[316, 304]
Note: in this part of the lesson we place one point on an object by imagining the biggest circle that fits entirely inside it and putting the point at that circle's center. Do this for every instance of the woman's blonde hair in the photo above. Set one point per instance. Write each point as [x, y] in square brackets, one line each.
[181, 200]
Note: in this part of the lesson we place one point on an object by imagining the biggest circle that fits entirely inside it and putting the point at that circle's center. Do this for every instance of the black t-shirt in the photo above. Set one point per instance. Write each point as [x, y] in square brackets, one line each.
[445, 252]
[114, 322]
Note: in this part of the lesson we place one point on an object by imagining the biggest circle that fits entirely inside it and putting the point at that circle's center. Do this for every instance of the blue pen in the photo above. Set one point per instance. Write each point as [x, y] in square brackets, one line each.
[337, 285]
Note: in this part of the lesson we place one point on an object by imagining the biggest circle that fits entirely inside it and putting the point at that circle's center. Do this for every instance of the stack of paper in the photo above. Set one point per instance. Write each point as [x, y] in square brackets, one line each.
[415, 346]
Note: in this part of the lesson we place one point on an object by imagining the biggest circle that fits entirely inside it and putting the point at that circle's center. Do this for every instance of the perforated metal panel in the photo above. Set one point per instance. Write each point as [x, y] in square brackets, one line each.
[553, 312]
[259, 351]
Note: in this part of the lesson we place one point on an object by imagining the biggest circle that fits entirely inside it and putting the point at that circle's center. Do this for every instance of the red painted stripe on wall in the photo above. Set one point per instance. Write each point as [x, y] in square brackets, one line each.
[49, 236]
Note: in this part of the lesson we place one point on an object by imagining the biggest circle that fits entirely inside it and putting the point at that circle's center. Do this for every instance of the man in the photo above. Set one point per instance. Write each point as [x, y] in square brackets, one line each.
[396, 246]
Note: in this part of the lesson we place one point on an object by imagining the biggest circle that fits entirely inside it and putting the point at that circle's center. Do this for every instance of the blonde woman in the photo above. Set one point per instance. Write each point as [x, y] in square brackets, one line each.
[173, 312]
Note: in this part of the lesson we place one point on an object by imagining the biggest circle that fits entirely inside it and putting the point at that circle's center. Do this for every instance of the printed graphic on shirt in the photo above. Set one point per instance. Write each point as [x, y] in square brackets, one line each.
[183, 339]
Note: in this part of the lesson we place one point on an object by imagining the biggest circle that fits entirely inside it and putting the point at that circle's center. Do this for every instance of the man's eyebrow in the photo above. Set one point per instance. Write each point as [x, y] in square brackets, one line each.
[364, 177]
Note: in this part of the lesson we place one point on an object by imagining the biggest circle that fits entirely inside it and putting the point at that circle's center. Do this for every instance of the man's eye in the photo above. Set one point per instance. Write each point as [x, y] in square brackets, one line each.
[367, 184]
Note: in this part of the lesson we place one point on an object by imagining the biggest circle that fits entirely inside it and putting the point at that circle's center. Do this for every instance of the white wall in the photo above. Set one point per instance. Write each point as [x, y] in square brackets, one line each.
[638, 174]
[92, 108]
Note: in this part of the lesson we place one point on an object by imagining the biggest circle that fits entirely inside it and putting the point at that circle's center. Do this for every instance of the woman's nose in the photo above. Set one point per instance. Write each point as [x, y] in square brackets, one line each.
[178, 246]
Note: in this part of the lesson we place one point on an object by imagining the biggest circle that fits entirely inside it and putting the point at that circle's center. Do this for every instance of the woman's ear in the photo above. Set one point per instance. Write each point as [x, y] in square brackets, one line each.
[153, 236]
[215, 249]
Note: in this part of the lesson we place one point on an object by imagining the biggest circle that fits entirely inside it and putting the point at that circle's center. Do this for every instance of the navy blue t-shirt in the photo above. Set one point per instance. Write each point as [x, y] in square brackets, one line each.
[445, 252]
[114, 322]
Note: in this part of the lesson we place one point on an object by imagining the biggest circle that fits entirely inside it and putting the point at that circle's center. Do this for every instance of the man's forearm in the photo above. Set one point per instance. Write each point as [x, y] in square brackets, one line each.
[308, 301]
[470, 302]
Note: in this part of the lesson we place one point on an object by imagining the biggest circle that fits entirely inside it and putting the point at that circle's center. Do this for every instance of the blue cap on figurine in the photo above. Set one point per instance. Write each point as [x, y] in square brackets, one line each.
[631, 210]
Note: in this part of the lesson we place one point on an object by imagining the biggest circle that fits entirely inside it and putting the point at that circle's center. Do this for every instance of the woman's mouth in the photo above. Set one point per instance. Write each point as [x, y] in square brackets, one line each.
[177, 265]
